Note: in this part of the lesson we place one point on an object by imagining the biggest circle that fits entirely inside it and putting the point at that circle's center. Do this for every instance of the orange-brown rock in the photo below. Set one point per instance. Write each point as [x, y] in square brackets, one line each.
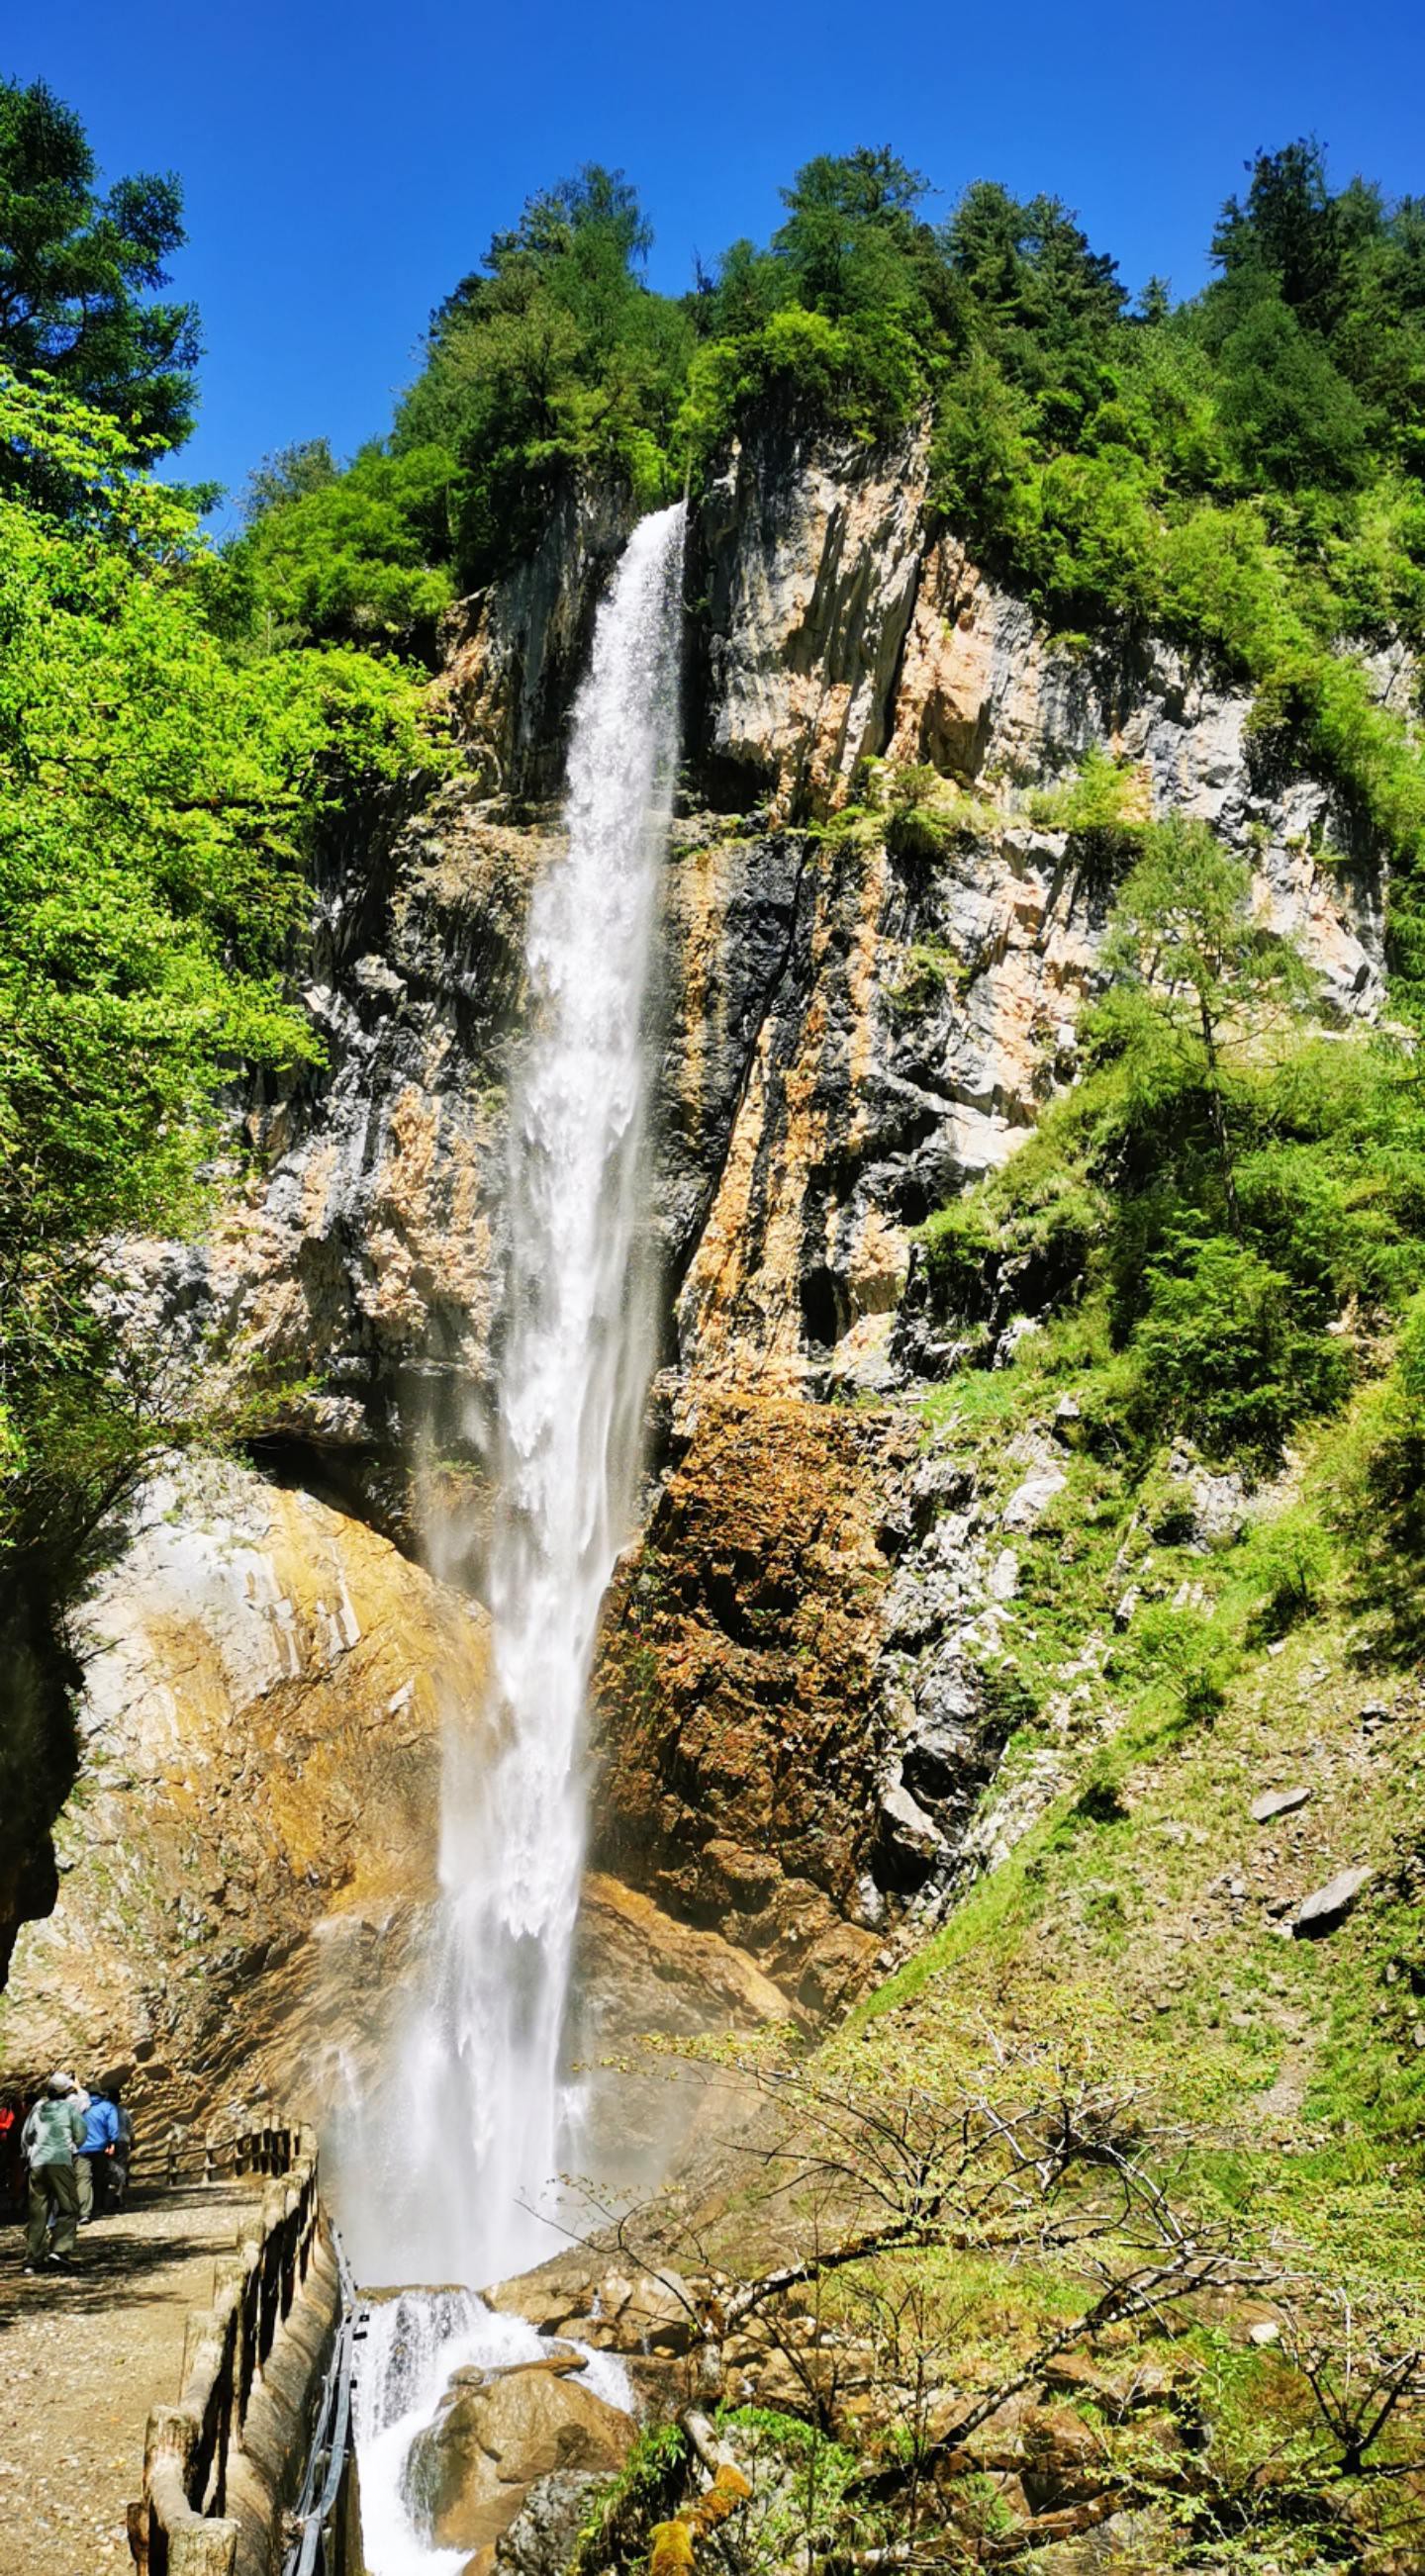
[470, 2473]
[267, 1683]
[243, 1882]
[737, 1687]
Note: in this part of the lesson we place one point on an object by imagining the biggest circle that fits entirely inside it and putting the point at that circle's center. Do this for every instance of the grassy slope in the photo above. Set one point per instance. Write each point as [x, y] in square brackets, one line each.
[1139, 1926]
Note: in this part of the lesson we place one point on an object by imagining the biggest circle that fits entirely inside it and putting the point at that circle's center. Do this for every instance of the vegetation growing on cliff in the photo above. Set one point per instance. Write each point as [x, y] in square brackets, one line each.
[1224, 1219]
[158, 797]
[554, 355]
[1240, 471]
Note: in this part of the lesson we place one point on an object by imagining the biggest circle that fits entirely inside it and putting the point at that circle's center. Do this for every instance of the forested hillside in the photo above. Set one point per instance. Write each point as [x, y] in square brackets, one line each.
[1240, 471]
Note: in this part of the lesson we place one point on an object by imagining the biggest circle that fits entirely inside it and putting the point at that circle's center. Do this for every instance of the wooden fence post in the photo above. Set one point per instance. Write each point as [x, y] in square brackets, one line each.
[203, 2549]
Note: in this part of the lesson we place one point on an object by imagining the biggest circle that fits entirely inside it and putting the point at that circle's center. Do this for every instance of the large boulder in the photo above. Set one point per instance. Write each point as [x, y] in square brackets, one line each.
[496, 2434]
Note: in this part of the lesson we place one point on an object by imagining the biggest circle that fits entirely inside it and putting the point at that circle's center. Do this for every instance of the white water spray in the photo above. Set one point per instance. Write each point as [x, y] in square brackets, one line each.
[461, 2181]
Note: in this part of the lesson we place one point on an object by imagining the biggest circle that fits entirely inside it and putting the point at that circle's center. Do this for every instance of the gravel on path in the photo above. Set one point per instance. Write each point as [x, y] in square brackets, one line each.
[83, 2356]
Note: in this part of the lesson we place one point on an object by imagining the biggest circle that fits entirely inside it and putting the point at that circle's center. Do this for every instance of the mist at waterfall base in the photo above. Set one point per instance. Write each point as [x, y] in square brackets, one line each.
[451, 2175]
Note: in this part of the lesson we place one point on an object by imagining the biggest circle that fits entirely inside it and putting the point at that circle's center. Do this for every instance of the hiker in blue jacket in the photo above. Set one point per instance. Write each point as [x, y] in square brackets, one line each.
[101, 2136]
[50, 2140]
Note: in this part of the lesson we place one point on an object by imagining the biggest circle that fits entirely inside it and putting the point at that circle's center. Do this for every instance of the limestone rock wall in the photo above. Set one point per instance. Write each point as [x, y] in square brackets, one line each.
[846, 1035]
[516, 652]
[265, 1687]
[805, 560]
[351, 1270]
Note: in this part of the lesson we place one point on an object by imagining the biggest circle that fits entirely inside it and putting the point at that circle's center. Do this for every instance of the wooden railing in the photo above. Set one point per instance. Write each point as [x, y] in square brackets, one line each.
[179, 2525]
[165, 2163]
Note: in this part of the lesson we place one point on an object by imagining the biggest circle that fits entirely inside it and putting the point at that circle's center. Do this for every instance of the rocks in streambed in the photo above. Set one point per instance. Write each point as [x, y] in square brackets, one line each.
[496, 2435]
[631, 2312]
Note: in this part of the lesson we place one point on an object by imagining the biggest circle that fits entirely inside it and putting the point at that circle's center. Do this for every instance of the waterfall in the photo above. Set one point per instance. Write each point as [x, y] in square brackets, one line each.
[460, 2165]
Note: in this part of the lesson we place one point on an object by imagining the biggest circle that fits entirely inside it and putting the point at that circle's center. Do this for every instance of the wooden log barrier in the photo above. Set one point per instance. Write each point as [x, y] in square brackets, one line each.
[178, 2526]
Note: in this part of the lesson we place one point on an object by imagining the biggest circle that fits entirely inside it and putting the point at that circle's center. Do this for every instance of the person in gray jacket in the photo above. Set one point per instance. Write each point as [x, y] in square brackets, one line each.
[51, 2137]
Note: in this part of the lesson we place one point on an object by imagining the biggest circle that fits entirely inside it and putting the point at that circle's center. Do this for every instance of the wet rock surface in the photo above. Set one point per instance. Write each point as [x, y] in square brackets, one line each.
[496, 2435]
[243, 1885]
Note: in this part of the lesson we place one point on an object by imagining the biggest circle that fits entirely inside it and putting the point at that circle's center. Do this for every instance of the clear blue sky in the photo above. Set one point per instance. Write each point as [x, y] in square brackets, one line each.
[345, 162]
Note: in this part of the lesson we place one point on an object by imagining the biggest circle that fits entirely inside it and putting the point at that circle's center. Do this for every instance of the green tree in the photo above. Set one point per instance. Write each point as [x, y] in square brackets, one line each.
[1187, 941]
[852, 241]
[1290, 227]
[355, 556]
[81, 273]
[1291, 419]
[1030, 269]
[290, 475]
[556, 356]
[157, 799]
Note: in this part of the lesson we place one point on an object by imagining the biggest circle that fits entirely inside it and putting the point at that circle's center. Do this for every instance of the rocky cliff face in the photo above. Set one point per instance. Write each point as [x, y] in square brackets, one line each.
[805, 556]
[851, 1026]
[795, 1715]
[265, 1688]
[242, 1873]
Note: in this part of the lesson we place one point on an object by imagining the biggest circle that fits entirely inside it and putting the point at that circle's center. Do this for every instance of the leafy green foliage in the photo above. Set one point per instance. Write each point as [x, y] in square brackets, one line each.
[805, 2490]
[835, 320]
[1230, 1203]
[1240, 471]
[1105, 797]
[157, 798]
[614, 2533]
[80, 272]
[357, 555]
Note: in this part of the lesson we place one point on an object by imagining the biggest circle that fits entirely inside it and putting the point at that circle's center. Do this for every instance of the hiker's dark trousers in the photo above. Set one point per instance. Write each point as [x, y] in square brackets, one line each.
[54, 2189]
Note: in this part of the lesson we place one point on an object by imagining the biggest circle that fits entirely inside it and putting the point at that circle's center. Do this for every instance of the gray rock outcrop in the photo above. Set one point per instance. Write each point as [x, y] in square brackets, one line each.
[1329, 1906]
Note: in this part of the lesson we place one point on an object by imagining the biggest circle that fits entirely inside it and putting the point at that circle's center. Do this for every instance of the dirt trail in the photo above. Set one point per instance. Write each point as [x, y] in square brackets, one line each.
[82, 2359]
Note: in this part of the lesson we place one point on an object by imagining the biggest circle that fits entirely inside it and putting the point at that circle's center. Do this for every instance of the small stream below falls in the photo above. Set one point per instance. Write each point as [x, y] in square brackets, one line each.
[450, 2173]
[413, 2343]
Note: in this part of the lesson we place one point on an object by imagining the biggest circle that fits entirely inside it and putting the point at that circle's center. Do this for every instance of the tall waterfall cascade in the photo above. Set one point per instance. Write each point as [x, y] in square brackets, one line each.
[452, 2177]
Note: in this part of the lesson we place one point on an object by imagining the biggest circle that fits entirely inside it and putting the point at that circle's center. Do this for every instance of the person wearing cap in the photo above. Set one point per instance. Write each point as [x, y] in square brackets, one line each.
[51, 2138]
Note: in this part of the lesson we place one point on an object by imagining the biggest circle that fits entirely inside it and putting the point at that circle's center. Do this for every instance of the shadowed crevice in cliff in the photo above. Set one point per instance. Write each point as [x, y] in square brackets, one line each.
[516, 651]
[39, 1739]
